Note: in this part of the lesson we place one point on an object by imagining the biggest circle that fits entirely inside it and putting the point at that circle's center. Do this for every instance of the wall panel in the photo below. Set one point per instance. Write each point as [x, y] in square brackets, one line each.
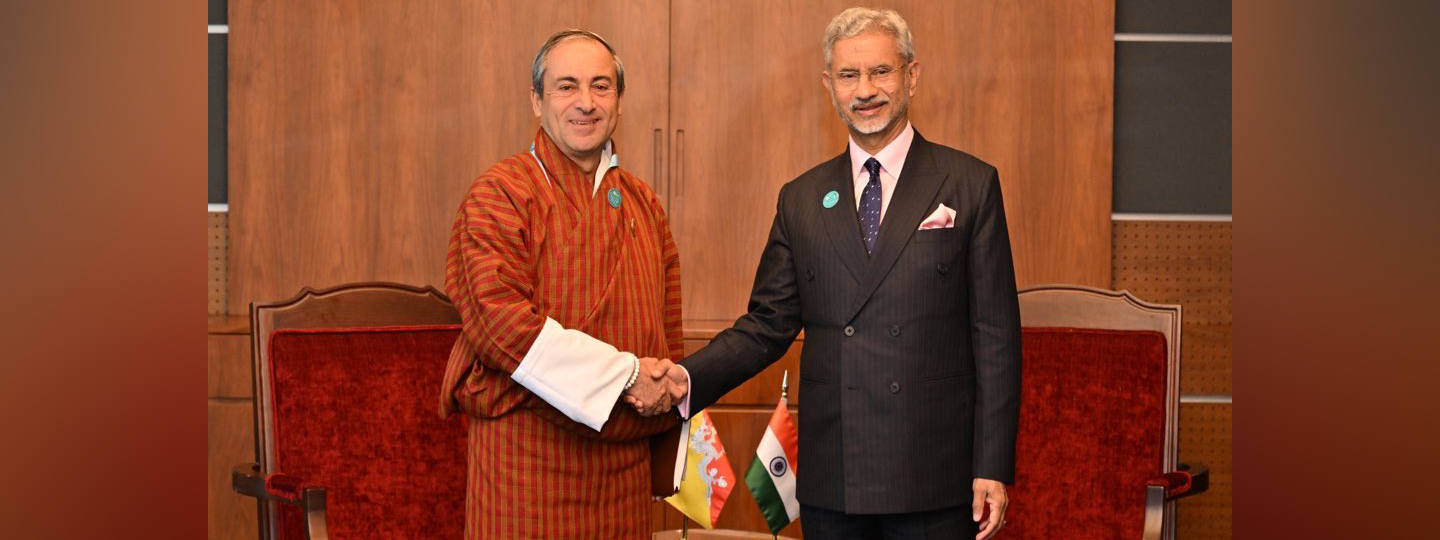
[229, 366]
[232, 442]
[356, 127]
[217, 246]
[753, 114]
[1206, 437]
[1186, 263]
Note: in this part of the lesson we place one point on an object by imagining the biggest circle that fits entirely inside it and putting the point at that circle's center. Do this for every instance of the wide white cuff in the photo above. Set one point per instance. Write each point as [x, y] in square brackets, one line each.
[577, 374]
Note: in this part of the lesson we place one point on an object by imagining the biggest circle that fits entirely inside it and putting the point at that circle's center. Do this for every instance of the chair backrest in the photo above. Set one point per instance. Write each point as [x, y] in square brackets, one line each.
[344, 383]
[1098, 412]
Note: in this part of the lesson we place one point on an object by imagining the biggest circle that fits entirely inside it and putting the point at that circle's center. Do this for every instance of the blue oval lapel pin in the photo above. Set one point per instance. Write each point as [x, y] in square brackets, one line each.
[614, 198]
[830, 199]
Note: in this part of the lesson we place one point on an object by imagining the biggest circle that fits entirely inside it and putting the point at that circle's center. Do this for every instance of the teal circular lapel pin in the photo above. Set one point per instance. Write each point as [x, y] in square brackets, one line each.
[614, 198]
[830, 199]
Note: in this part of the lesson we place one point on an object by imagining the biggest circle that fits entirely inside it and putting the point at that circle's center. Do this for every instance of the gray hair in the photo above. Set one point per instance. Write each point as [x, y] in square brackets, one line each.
[537, 68]
[854, 21]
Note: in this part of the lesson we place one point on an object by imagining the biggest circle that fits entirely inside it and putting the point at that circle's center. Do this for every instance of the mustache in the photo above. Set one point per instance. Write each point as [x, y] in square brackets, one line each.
[857, 103]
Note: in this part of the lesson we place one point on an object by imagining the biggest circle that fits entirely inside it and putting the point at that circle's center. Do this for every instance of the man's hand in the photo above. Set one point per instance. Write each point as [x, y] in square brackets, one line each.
[653, 393]
[679, 382]
[990, 503]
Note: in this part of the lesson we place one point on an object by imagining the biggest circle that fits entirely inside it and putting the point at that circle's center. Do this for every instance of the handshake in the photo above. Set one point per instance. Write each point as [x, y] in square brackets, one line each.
[659, 386]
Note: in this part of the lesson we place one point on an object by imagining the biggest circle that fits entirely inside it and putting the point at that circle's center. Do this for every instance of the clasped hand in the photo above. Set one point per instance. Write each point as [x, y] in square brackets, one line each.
[658, 387]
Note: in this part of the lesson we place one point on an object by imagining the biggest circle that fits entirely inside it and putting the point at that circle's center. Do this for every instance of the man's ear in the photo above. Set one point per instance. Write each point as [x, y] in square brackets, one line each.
[914, 76]
[535, 102]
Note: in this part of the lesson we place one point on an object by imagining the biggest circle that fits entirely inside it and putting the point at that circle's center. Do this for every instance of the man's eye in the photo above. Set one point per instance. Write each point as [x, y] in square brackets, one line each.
[845, 76]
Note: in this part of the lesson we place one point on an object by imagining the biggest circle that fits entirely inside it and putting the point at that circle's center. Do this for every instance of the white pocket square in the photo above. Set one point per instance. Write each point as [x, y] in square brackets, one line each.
[942, 218]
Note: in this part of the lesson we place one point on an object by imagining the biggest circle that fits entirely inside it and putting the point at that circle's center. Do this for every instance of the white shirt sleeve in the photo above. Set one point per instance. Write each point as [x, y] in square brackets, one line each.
[577, 374]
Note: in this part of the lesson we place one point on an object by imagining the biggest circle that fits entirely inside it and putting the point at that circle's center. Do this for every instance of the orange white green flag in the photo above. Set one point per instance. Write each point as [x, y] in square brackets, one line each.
[708, 478]
[771, 477]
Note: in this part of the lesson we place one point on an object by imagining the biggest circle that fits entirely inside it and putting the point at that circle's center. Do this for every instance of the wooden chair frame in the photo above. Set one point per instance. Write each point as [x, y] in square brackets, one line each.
[344, 306]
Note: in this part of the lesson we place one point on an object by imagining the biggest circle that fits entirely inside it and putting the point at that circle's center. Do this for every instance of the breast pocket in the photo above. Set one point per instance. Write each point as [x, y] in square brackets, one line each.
[936, 235]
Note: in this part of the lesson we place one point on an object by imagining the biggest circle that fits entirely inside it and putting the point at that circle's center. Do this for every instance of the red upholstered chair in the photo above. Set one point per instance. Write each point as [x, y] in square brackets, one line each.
[348, 442]
[1096, 453]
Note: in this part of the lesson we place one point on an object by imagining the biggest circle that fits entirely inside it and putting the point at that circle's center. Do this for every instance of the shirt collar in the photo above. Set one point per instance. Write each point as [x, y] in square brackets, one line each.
[891, 157]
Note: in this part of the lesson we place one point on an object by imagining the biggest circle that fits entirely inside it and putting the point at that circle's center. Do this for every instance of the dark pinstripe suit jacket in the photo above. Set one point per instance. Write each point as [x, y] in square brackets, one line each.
[910, 373]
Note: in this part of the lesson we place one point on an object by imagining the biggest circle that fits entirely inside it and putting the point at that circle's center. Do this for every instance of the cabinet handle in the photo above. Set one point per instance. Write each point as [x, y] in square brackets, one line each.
[679, 176]
[659, 151]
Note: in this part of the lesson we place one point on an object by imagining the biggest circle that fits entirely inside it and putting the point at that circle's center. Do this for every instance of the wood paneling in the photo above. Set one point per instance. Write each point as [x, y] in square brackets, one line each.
[229, 371]
[232, 442]
[1206, 437]
[355, 128]
[751, 115]
[217, 246]
[1186, 263]
[228, 324]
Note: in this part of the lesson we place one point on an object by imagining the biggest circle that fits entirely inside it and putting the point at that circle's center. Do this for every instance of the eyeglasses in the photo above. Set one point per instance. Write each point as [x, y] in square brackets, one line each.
[881, 76]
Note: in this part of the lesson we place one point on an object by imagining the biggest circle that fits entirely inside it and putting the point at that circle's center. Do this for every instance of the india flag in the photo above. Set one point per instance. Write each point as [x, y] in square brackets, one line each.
[708, 477]
[771, 477]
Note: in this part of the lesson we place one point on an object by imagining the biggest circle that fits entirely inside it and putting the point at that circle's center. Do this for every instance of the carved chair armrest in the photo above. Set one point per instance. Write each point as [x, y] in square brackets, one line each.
[1185, 481]
[284, 488]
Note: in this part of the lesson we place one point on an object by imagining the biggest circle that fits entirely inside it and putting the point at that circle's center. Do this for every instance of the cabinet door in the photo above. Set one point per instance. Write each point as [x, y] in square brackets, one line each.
[356, 127]
[1025, 86]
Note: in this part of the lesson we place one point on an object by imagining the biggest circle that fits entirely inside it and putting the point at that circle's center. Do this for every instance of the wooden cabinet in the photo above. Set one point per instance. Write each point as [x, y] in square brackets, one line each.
[356, 127]
[356, 130]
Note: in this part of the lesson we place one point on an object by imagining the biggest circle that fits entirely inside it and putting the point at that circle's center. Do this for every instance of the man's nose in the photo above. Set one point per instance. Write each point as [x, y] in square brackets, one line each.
[585, 101]
[866, 88]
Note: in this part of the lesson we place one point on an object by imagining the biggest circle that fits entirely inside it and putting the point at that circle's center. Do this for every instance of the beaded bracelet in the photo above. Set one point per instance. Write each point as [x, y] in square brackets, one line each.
[634, 373]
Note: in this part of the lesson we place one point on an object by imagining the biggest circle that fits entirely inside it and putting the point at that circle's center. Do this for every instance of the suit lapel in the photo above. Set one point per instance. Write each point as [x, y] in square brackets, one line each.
[914, 192]
[841, 221]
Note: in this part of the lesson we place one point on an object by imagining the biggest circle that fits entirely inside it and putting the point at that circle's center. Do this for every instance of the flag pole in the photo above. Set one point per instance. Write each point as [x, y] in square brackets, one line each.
[684, 528]
[785, 387]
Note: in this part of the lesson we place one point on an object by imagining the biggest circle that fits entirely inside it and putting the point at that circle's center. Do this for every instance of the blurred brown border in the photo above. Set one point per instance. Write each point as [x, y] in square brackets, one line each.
[102, 147]
[1335, 288]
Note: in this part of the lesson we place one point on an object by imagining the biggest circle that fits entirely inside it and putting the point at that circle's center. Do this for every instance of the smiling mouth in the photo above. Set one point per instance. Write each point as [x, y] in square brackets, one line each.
[585, 123]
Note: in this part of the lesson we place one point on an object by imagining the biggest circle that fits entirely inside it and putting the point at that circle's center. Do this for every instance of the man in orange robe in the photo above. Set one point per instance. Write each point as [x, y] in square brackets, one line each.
[567, 280]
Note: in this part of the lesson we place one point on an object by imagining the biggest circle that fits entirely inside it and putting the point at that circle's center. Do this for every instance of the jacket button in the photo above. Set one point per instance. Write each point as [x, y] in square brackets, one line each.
[895, 330]
[942, 267]
[810, 275]
[894, 388]
[849, 331]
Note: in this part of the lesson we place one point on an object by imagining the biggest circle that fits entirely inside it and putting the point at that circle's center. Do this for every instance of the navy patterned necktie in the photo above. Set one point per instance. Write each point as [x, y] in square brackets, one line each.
[870, 206]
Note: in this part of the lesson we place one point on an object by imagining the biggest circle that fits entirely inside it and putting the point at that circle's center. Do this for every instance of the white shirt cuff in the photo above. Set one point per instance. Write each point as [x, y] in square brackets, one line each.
[684, 406]
[577, 374]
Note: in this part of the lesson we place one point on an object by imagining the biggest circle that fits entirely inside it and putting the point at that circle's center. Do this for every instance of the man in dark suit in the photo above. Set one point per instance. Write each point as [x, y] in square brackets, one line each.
[894, 258]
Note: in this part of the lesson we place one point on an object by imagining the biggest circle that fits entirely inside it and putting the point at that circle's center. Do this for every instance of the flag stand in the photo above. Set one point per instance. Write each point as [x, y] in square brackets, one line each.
[784, 398]
[685, 529]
